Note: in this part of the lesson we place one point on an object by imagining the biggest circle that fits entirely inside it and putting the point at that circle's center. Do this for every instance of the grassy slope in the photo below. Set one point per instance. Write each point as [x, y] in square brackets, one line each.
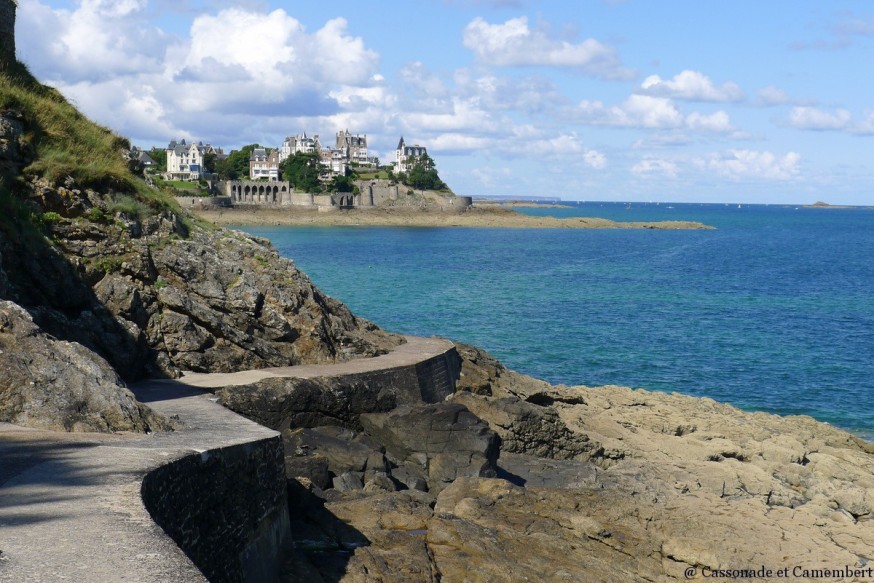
[60, 143]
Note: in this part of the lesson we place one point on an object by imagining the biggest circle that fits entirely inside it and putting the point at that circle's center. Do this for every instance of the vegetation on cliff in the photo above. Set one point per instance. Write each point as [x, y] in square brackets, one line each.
[60, 144]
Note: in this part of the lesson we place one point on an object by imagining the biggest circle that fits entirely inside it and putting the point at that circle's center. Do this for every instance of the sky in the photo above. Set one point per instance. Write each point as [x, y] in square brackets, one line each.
[626, 100]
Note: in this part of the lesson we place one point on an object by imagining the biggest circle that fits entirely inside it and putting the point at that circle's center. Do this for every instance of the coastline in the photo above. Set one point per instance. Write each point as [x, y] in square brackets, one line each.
[416, 217]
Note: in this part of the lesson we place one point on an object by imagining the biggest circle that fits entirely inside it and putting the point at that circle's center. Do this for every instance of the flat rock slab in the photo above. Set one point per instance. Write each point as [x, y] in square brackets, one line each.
[70, 505]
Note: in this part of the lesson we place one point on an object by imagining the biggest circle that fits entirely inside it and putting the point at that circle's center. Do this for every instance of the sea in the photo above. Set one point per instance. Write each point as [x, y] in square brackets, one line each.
[773, 310]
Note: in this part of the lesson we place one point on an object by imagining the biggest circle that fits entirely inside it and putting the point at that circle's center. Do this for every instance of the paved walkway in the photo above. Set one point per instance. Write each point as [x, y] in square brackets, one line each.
[414, 351]
[70, 505]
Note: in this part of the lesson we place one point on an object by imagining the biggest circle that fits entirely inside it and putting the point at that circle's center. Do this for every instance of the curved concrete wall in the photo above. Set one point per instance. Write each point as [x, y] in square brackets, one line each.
[226, 508]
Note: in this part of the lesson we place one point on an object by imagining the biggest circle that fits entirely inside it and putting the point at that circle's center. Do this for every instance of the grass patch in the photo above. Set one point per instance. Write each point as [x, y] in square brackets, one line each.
[62, 143]
[372, 175]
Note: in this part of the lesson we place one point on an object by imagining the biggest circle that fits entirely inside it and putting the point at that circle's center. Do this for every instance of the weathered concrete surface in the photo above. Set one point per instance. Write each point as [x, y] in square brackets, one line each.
[70, 505]
[421, 369]
[415, 351]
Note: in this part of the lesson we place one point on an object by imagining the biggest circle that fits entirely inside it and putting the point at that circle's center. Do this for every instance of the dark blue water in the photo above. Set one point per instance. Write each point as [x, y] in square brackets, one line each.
[772, 311]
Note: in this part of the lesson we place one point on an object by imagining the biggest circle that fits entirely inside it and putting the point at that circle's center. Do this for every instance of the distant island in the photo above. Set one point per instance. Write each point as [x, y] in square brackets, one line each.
[824, 205]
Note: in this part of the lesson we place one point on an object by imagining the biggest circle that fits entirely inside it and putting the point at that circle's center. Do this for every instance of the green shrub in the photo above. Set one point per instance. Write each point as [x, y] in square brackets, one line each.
[51, 217]
[96, 215]
[130, 206]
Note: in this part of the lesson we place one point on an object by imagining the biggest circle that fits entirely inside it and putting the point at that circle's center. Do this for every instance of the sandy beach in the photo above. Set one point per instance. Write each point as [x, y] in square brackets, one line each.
[493, 217]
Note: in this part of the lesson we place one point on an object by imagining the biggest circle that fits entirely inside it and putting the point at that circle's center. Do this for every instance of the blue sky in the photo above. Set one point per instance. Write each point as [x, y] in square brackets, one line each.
[632, 100]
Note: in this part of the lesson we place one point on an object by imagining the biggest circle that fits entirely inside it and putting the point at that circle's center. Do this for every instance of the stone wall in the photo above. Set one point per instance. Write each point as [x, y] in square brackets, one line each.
[204, 201]
[372, 193]
[226, 508]
[380, 191]
[7, 30]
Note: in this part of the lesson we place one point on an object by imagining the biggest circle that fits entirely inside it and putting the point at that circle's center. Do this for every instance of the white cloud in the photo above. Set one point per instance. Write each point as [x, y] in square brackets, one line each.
[639, 111]
[737, 164]
[653, 167]
[460, 115]
[417, 77]
[457, 143]
[594, 159]
[690, 86]
[645, 112]
[98, 40]
[536, 94]
[866, 126]
[239, 74]
[772, 95]
[281, 58]
[514, 44]
[717, 122]
[488, 176]
[811, 118]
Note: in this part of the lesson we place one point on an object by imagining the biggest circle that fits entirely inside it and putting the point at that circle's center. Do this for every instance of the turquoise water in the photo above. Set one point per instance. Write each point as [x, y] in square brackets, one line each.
[772, 311]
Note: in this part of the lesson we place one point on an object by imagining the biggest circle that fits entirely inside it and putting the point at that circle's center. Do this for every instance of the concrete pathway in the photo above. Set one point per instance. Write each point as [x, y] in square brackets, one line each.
[70, 505]
[414, 351]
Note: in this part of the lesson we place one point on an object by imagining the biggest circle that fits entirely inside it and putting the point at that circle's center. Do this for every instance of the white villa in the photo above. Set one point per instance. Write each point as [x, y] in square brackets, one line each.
[300, 143]
[403, 153]
[264, 165]
[185, 161]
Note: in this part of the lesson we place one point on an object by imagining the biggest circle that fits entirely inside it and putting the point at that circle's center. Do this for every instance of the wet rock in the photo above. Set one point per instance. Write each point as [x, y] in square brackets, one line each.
[437, 442]
[527, 428]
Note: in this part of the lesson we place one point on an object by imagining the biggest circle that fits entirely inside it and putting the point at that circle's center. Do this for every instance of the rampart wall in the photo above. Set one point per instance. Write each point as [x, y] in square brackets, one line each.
[7, 30]
[226, 508]
[371, 193]
[204, 202]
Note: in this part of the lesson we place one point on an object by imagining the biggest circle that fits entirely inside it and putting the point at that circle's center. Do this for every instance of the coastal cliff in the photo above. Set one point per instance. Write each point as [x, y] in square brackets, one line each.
[99, 260]
[487, 475]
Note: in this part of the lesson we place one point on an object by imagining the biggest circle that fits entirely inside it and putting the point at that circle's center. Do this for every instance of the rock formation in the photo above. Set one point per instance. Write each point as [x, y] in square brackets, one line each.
[591, 484]
[128, 278]
[53, 384]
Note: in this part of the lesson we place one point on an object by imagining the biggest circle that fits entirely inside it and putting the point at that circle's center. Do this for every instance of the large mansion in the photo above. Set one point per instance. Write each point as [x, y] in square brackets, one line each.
[404, 155]
[185, 161]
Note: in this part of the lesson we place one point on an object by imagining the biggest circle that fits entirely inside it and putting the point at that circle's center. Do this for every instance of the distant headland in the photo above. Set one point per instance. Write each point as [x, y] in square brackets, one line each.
[824, 205]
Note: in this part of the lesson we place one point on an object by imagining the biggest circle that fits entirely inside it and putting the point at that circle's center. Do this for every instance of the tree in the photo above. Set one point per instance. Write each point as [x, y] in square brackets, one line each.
[236, 165]
[304, 171]
[159, 155]
[422, 174]
[209, 162]
[343, 184]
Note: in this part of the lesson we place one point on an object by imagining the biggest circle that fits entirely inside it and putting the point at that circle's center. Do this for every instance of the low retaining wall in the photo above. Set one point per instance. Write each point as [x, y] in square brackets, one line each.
[226, 508]
[204, 201]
